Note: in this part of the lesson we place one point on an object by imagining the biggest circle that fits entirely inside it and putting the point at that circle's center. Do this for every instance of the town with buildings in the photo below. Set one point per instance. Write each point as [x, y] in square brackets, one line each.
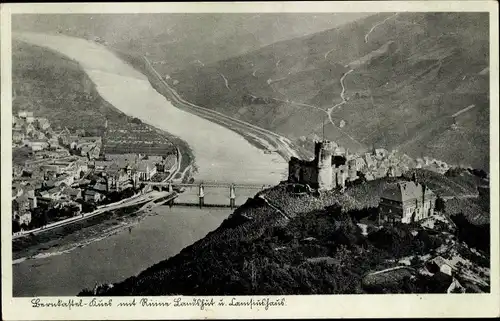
[63, 173]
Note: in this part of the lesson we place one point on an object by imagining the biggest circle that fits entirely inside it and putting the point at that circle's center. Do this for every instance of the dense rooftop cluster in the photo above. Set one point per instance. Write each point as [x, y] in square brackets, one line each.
[62, 173]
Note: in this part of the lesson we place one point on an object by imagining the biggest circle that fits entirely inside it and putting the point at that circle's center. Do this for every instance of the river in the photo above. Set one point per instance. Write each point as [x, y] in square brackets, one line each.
[220, 154]
[118, 256]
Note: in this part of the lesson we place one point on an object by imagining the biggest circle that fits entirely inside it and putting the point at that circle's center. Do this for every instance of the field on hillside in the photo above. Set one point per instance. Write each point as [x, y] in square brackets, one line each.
[411, 72]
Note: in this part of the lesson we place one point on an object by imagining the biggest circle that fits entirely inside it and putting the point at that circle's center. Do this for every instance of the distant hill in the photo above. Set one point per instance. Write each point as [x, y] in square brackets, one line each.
[179, 40]
[52, 86]
[411, 73]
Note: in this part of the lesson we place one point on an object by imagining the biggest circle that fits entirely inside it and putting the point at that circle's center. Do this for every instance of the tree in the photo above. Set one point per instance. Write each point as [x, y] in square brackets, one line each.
[136, 121]
[440, 205]
[88, 207]
[15, 226]
[361, 177]
[415, 260]
[129, 192]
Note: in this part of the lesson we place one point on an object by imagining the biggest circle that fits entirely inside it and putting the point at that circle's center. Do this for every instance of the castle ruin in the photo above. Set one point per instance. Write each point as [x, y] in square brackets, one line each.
[329, 169]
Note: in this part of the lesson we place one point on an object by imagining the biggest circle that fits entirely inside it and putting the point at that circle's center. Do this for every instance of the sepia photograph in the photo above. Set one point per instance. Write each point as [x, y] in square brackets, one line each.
[250, 153]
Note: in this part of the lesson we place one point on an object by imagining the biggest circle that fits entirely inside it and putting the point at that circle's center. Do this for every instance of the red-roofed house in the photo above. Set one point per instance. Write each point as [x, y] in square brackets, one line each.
[28, 128]
[21, 210]
[38, 144]
[53, 193]
[17, 190]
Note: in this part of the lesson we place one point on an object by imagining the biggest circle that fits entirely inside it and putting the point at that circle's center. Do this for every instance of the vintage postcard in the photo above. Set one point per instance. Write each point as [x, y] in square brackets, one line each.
[249, 160]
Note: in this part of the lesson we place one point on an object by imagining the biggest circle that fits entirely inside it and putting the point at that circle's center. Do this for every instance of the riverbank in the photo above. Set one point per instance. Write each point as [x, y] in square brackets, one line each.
[111, 252]
[65, 236]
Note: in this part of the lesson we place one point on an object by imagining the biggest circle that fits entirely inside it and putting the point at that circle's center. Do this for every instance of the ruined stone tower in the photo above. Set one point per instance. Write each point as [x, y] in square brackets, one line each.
[323, 152]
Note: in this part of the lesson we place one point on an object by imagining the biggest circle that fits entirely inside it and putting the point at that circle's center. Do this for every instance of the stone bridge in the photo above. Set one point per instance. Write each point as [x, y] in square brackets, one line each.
[209, 194]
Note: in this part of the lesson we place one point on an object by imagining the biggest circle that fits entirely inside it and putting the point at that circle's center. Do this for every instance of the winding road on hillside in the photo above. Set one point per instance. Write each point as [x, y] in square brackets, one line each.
[344, 100]
[328, 52]
[463, 110]
[201, 63]
[342, 94]
[378, 24]
[464, 196]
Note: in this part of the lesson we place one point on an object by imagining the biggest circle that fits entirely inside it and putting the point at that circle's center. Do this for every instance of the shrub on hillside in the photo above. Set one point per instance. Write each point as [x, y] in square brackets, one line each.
[399, 240]
[440, 205]
[477, 236]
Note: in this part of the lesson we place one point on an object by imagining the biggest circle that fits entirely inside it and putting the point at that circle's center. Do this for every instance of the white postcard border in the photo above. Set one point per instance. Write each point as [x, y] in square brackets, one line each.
[305, 306]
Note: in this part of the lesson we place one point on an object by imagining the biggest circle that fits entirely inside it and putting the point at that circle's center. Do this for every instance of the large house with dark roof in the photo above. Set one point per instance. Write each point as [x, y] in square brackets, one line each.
[406, 202]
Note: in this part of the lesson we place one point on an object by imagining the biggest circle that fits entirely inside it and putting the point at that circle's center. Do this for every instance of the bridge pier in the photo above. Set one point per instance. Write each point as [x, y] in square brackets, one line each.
[170, 190]
[232, 196]
[201, 195]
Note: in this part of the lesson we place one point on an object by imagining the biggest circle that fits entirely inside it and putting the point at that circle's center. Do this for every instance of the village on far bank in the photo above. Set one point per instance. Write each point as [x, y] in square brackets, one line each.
[59, 173]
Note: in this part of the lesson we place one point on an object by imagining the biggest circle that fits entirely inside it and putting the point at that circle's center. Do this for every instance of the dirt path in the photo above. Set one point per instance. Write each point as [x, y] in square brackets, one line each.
[225, 81]
[331, 109]
[463, 110]
[378, 24]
